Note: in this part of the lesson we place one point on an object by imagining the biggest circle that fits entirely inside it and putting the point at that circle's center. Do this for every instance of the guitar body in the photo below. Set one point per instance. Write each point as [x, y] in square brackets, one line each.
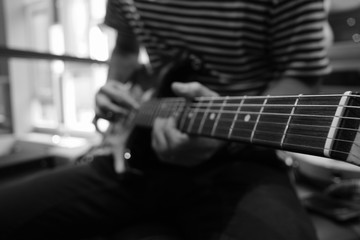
[181, 68]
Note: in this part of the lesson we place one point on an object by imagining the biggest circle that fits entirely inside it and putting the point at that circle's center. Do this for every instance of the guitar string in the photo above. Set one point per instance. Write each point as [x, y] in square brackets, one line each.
[236, 128]
[272, 114]
[245, 139]
[196, 108]
[290, 134]
[224, 119]
[234, 105]
[283, 96]
[230, 120]
[281, 124]
[169, 109]
[287, 145]
[272, 96]
[214, 99]
[214, 104]
[197, 105]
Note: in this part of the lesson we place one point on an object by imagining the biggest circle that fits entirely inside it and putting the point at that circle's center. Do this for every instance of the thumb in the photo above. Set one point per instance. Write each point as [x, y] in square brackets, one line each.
[192, 90]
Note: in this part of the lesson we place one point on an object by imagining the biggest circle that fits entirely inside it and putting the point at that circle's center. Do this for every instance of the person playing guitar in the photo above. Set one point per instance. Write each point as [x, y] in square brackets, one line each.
[173, 180]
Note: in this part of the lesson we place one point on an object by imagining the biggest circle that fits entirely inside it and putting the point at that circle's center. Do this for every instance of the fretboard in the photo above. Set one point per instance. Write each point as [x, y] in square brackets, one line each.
[323, 125]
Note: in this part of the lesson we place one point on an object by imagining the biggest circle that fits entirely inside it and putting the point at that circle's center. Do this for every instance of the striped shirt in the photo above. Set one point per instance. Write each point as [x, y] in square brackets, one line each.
[244, 44]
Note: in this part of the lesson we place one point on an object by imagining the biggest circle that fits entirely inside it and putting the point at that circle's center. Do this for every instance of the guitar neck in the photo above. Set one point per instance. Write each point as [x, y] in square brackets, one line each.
[322, 125]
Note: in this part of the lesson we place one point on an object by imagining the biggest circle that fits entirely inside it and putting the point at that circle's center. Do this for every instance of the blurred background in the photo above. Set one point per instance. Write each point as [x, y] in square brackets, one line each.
[53, 59]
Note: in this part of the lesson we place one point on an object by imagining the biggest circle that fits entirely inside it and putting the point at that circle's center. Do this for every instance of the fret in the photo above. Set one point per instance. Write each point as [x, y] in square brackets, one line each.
[151, 111]
[159, 110]
[238, 109]
[218, 116]
[346, 141]
[143, 115]
[225, 121]
[335, 123]
[289, 120]
[273, 121]
[154, 110]
[212, 116]
[163, 108]
[242, 129]
[185, 116]
[257, 120]
[306, 144]
[310, 123]
[179, 107]
[167, 107]
[205, 115]
[192, 116]
[202, 105]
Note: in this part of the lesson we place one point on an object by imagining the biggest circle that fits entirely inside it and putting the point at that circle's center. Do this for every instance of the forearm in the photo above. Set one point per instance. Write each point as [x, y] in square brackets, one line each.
[124, 59]
[122, 66]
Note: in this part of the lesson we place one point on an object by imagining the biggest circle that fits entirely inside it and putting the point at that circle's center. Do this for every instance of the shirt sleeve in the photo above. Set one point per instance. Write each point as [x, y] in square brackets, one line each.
[298, 41]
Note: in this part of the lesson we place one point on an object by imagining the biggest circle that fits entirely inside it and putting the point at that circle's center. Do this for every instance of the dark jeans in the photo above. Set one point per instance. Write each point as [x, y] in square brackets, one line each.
[246, 199]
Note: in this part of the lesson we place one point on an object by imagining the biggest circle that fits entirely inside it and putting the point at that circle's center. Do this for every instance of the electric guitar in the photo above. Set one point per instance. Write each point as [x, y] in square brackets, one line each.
[321, 125]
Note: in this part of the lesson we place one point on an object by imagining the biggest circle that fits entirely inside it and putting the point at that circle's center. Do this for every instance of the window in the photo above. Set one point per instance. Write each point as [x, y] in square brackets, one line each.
[5, 111]
[56, 96]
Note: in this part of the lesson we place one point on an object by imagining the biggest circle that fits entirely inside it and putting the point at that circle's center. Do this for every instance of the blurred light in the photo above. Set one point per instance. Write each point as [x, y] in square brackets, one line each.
[351, 22]
[143, 56]
[78, 17]
[56, 139]
[98, 44]
[102, 124]
[289, 161]
[98, 9]
[356, 37]
[58, 67]
[68, 142]
[57, 44]
[127, 155]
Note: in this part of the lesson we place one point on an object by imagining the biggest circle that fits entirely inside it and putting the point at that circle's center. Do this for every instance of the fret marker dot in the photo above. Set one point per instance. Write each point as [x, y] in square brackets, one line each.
[190, 114]
[212, 116]
[247, 118]
[127, 155]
